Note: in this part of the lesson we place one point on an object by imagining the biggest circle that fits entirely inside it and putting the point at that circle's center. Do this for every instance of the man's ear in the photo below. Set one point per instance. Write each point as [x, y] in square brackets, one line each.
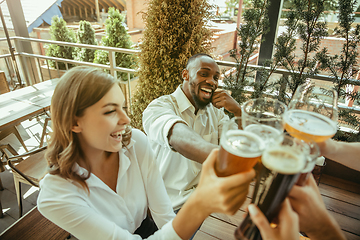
[185, 74]
[76, 127]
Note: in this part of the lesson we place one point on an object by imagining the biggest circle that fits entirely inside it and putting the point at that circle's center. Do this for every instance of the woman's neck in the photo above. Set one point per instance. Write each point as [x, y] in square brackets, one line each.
[105, 166]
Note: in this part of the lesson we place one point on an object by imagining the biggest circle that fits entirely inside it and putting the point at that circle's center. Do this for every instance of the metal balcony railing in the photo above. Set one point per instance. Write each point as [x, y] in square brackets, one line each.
[112, 66]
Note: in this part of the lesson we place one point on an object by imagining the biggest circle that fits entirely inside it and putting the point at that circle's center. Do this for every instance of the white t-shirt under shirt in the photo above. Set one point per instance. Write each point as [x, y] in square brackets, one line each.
[181, 175]
[105, 214]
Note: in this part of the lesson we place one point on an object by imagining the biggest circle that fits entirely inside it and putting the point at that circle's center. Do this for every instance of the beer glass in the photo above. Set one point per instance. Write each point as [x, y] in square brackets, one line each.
[282, 162]
[239, 150]
[310, 162]
[267, 113]
[313, 112]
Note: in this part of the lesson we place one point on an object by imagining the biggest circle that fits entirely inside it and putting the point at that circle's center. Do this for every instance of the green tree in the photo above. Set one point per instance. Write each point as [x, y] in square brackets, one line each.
[329, 6]
[344, 67]
[85, 35]
[302, 21]
[116, 36]
[60, 32]
[256, 24]
[175, 30]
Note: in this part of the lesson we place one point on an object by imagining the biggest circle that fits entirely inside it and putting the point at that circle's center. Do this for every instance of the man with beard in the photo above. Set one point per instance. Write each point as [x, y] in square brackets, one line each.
[185, 126]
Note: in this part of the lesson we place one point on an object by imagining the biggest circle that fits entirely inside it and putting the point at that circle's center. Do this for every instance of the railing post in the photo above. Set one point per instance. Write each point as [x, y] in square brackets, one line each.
[39, 68]
[112, 63]
[129, 87]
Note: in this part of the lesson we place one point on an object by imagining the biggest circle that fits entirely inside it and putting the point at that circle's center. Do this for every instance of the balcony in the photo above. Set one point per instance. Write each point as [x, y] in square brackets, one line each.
[340, 192]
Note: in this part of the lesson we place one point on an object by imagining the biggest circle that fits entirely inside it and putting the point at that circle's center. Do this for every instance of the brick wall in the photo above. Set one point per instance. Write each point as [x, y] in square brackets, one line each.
[134, 17]
[223, 42]
[334, 46]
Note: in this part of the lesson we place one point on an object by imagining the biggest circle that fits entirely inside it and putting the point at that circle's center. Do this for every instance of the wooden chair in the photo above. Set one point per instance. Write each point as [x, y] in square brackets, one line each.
[30, 170]
[33, 226]
[9, 148]
[10, 130]
[44, 133]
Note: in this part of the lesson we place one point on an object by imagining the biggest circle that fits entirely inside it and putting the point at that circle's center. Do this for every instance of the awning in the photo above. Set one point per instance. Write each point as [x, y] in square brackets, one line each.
[35, 12]
[51, 9]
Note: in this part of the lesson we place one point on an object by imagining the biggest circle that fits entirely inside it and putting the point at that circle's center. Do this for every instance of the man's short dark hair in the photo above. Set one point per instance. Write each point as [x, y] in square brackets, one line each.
[195, 56]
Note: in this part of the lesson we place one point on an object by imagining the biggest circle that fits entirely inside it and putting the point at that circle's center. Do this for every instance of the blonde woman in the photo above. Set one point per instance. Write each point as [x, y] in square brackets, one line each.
[102, 175]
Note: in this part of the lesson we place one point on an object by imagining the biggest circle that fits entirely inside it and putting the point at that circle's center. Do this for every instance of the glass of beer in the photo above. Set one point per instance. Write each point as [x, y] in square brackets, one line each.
[239, 151]
[311, 161]
[282, 162]
[313, 112]
[267, 114]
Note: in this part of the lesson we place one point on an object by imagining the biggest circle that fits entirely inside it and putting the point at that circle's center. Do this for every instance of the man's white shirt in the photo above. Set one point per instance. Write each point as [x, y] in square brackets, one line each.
[180, 174]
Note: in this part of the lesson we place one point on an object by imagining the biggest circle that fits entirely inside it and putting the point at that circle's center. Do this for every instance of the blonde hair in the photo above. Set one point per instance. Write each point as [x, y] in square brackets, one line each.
[78, 89]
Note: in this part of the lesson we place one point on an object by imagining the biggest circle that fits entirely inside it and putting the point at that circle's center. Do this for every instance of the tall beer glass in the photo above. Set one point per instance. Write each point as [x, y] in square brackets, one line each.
[313, 112]
[239, 150]
[267, 113]
[282, 162]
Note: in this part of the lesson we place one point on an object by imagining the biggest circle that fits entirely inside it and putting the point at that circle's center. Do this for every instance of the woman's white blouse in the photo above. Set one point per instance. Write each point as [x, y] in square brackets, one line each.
[105, 214]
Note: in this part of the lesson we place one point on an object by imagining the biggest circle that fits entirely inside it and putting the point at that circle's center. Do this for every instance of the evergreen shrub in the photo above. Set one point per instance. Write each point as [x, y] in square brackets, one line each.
[60, 32]
[116, 36]
[175, 30]
[85, 35]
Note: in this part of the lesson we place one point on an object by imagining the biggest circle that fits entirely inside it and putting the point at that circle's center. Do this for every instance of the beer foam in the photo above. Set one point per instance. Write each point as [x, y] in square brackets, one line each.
[310, 122]
[242, 143]
[283, 159]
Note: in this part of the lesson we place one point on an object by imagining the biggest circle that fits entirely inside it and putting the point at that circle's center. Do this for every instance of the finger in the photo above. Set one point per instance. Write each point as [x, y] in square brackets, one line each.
[288, 221]
[237, 200]
[287, 216]
[219, 95]
[239, 178]
[297, 192]
[312, 183]
[260, 221]
[215, 95]
[217, 98]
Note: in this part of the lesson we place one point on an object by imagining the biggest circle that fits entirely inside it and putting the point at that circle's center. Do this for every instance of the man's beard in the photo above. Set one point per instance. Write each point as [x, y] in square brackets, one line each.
[200, 104]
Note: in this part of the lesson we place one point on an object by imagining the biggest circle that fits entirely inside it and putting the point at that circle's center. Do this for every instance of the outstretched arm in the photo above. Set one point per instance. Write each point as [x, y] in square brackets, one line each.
[213, 194]
[188, 143]
[345, 153]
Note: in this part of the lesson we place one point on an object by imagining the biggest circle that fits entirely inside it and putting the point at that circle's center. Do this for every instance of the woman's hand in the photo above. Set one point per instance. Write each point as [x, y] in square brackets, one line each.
[221, 194]
[213, 194]
[287, 227]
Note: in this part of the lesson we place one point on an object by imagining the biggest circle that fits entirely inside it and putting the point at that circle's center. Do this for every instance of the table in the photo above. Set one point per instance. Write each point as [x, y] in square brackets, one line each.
[341, 197]
[35, 226]
[24, 103]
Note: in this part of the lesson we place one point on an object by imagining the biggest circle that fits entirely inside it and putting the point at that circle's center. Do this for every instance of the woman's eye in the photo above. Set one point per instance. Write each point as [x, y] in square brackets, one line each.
[109, 112]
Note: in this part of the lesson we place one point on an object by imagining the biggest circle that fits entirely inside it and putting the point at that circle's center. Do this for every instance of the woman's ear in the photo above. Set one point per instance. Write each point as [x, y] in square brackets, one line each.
[76, 127]
[185, 74]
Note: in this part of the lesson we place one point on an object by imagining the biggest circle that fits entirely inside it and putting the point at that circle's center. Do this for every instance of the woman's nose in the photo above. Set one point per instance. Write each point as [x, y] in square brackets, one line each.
[123, 119]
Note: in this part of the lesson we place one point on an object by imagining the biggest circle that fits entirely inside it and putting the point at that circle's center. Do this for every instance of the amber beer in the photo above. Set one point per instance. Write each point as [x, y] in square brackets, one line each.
[309, 125]
[239, 152]
[281, 168]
